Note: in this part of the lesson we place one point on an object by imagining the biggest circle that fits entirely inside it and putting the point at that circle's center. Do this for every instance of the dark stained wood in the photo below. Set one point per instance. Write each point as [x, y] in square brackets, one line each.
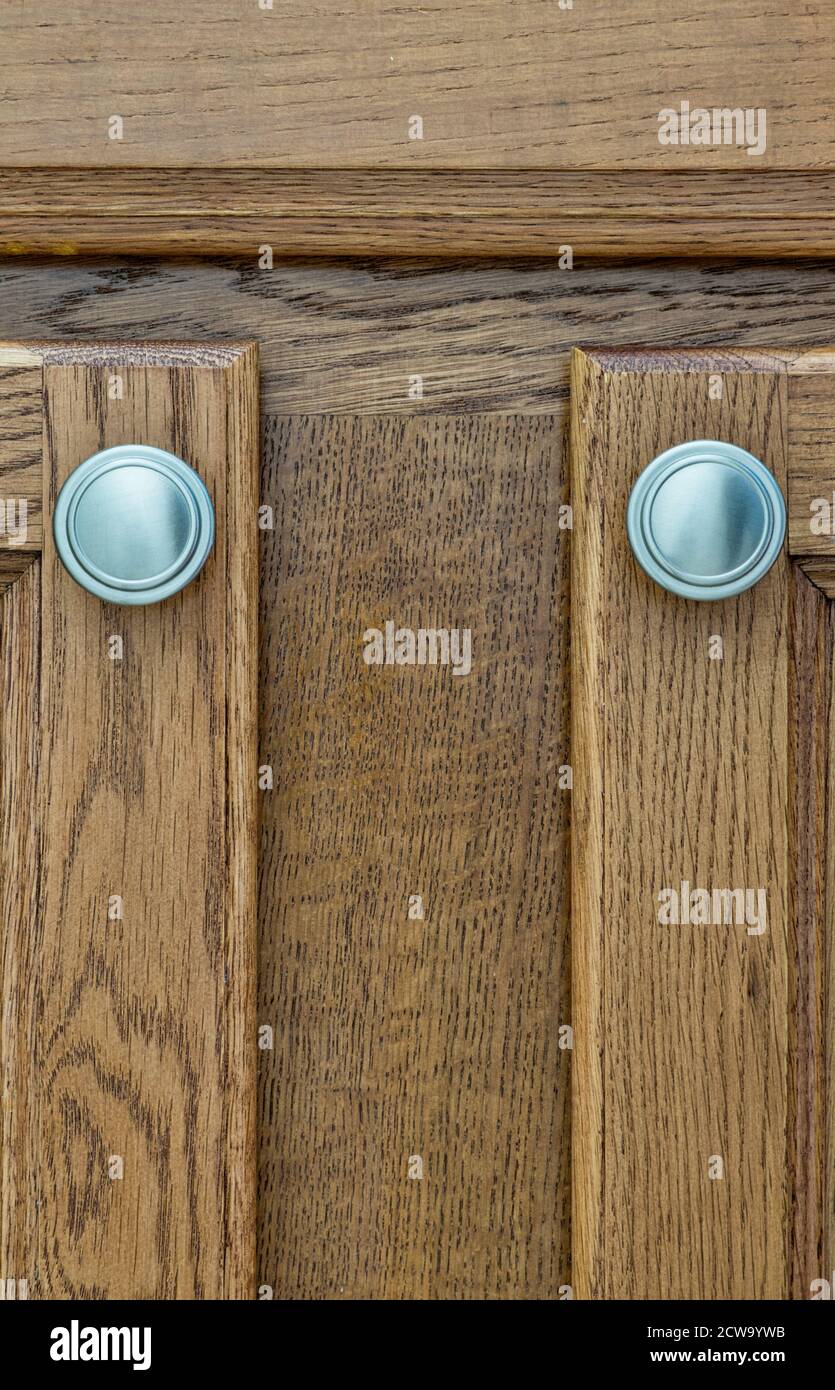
[821, 573]
[349, 336]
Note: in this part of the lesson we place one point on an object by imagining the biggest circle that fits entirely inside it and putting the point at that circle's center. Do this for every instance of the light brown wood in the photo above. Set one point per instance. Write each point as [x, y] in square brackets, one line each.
[21, 488]
[826, 1149]
[417, 212]
[588, 862]
[811, 501]
[133, 1036]
[649, 1014]
[811, 1175]
[684, 777]
[239, 555]
[438, 1038]
[344, 340]
[314, 84]
[21, 774]
[810, 493]
[812, 481]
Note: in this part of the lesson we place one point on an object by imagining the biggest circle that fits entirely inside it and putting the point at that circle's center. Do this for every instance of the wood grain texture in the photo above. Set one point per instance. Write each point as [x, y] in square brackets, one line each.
[811, 1175]
[811, 501]
[436, 1038]
[240, 582]
[688, 779]
[348, 337]
[134, 1036]
[417, 212]
[821, 573]
[588, 859]
[21, 483]
[827, 1121]
[20, 788]
[345, 339]
[529, 86]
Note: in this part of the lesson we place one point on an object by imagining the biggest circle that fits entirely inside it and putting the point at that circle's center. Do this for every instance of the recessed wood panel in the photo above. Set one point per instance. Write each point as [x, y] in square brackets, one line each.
[414, 1111]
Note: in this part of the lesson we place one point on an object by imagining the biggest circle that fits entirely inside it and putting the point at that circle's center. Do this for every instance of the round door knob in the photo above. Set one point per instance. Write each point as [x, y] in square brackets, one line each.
[134, 524]
[706, 520]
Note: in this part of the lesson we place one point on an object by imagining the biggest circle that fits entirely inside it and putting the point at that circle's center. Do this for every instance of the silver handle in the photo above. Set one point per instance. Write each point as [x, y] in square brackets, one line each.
[134, 524]
[706, 520]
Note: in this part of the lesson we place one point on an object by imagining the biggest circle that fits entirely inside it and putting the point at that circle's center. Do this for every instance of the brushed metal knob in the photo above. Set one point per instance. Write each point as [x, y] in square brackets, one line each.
[706, 520]
[134, 524]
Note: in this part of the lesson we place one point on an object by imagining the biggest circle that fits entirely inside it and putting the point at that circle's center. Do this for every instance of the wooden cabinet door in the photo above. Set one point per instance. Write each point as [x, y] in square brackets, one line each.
[464, 1008]
[413, 1138]
[127, 844]
[703, 1159]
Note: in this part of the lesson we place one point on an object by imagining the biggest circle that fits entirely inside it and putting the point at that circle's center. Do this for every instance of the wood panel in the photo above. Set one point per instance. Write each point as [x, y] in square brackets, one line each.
[21, 485]
[533, 85]
[417, 212]
[433, 1038]
[130, 1026]
[345, 339]
[682, 776]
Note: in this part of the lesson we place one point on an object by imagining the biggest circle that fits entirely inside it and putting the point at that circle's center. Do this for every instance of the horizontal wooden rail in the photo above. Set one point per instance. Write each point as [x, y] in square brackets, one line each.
[319, 212]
